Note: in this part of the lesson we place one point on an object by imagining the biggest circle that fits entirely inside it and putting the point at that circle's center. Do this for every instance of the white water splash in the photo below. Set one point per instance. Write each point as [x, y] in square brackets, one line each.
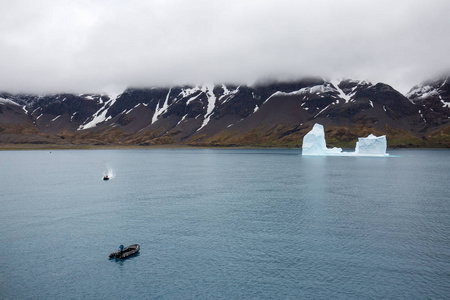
[110, 172]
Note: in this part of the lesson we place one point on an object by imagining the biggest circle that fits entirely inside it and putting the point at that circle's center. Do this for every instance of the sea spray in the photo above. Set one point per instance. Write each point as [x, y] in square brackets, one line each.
[109, 172]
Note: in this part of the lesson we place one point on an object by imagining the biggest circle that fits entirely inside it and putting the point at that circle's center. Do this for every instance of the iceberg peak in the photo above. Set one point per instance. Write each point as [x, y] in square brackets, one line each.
[314, 142]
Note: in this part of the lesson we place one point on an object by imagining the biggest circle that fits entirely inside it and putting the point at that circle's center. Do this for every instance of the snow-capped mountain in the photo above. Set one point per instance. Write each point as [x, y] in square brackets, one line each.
[268, 114]
[434, 99]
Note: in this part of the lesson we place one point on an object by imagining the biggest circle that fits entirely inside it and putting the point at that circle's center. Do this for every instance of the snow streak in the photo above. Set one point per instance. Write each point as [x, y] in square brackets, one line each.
[7, 101]
[211, 105]
[160, 110]
[317, 89]
[100, 115]
[54, 119]
[340, 91]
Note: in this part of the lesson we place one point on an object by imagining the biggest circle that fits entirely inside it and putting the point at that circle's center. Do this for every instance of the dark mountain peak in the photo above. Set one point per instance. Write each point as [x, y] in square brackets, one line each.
[381, 93]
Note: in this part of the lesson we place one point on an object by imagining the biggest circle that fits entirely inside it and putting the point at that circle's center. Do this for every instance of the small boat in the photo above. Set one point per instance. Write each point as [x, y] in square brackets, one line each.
[106, 177]
[127, 252]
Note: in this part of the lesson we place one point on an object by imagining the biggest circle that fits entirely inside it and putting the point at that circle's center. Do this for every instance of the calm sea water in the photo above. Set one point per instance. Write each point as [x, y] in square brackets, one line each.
[224, 224]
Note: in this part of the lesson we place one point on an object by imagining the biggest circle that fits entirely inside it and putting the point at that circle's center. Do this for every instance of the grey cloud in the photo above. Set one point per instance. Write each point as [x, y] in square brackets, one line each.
[82, 46]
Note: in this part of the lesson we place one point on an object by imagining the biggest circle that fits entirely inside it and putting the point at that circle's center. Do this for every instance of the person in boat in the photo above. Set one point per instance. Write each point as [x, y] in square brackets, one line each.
[120, 248]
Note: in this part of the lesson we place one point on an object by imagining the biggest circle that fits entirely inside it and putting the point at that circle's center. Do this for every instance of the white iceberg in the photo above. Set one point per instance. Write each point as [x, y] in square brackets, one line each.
[371, 145]
[314, 144]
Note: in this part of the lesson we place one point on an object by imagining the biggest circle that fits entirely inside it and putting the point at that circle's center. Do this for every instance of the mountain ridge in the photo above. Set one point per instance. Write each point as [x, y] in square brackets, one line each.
[269, 114]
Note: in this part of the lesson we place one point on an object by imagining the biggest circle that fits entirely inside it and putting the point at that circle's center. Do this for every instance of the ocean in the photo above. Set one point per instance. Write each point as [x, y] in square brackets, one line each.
[224, 224]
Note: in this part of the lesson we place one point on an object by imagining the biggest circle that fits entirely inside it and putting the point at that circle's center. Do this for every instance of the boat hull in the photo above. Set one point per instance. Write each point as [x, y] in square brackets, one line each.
[127, 252]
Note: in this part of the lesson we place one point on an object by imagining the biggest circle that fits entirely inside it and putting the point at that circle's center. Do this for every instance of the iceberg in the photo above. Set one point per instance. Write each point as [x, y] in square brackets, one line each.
[371, 145]
[314, 144]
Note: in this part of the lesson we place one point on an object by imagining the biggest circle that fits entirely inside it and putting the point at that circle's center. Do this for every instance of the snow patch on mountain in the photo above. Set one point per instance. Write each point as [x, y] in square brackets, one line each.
[321, 111]
[227, 94]
[128, 111]
[98, 118]
[422, 92]
[274, 95]
[445, 81]
[315, 90]
[182, 119]
[421, 115]
[342, 95]
[88, 97]
[226, 91]
[4, 101]
[185, 92]
[211, 105]
[100, 115]
[445, 104]
[192, 99]
[159, 110]
[54, 119]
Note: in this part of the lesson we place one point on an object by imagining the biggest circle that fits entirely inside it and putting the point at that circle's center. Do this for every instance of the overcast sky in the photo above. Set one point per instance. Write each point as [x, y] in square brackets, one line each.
[105, 46]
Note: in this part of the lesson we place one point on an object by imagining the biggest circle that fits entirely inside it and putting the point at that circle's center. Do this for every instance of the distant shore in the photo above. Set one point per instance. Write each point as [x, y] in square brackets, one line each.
[6, 147]
[87, 147]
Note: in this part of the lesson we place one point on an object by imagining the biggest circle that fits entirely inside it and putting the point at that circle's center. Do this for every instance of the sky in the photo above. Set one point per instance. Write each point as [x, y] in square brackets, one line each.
[51, 46]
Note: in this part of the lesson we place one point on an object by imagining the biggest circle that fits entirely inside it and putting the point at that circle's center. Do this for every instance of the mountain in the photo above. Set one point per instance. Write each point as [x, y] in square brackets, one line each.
[275, 114]
[433, 99]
